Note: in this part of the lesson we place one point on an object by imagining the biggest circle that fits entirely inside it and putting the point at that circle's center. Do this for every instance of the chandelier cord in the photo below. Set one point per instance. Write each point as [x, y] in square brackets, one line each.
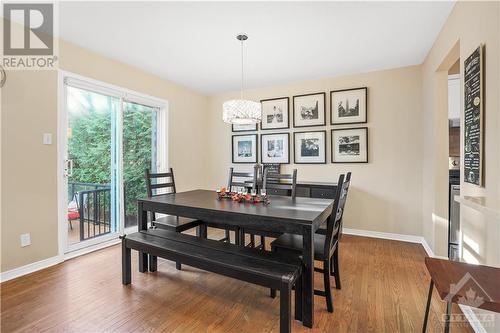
[241, 93]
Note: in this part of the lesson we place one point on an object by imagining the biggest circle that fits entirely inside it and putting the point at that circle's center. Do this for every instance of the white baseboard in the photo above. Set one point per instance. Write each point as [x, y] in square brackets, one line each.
[397, 237]
[30, 268]
[46, 263]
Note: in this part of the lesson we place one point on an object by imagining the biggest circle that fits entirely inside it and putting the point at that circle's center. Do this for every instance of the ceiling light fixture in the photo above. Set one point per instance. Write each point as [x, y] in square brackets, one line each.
[241, 111]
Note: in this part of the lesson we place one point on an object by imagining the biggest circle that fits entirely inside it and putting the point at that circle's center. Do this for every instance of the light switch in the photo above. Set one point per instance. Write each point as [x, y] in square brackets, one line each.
[47, 138]
[25, 240]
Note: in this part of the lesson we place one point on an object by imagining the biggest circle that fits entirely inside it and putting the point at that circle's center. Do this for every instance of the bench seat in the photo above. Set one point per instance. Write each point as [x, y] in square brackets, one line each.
[271, 270]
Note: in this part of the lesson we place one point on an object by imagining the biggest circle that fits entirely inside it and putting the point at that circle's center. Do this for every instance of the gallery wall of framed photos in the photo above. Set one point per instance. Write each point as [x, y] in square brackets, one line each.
[300, 128]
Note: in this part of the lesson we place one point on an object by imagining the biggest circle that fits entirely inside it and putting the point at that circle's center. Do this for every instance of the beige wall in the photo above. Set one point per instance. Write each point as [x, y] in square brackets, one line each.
[386, 193]
[460, 37]
[29, 178]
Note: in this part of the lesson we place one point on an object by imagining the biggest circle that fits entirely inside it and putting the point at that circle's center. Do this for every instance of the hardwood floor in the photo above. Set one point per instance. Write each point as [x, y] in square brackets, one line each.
[384, 289]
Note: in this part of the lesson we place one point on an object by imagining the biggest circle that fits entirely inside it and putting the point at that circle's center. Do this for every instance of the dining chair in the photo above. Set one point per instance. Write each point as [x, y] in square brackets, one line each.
[326, 246]
[278, 184]
[169, 222]
[238, 181]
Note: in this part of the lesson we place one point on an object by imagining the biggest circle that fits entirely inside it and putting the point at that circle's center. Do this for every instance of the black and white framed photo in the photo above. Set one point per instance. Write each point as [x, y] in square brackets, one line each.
[275, 148]
[350, 145]
[310, 147]
[245, 148]
[348, 106]
[243, 128]
[274, 113]
[309, 110]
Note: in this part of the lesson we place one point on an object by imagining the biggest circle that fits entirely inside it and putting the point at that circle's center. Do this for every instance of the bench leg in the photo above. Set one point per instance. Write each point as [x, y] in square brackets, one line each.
[298, 298]
[126, 264]
[143, 262]
[285, 309]
[178, 266]
[153, 263]
[429, 298]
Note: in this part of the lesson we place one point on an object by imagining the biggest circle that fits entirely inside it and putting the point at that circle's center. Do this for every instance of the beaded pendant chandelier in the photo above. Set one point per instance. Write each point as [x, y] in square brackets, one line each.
[241, 111]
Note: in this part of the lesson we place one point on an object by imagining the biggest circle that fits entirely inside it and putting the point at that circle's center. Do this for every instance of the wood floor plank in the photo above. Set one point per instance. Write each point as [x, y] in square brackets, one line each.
[384, 289]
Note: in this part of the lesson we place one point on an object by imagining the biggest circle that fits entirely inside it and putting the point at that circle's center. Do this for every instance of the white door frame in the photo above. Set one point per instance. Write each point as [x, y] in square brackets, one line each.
[162, 141]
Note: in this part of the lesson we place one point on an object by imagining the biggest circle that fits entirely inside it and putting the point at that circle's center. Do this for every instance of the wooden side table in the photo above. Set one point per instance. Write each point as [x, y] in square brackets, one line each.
[456, 282]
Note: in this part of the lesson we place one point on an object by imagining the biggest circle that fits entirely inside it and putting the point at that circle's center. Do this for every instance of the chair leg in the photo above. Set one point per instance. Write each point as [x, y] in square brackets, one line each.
[335, 259]
[298, 298]
[252, 240]
[285, 309]
[126, 264]
[153, 263]
[328, 291]
[227, 235]
[448, 315]
[429, 298]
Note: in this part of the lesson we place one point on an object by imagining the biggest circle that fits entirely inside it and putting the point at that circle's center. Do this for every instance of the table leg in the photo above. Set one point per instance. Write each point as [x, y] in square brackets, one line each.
[429, 297]
[142, 219]
[308, 286]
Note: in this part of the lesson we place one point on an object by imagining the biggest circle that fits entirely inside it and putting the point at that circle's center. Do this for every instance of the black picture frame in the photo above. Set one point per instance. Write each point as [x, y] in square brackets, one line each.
[324, 109]
[332, 122]
[295, 147]
[262, 127]
[262, 148]
[249, 130]
[253, 161]
[332, 144]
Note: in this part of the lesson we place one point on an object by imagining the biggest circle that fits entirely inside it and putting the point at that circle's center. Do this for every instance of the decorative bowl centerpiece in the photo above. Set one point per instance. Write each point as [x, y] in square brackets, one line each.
[224, 194]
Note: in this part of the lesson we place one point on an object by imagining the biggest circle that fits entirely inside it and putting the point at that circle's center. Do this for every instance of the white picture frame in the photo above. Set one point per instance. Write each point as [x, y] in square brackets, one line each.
[309, 110]
[350, 145]
[348, 106]
[275, 113]
[275, 148]
[310, 147]
[244, 148]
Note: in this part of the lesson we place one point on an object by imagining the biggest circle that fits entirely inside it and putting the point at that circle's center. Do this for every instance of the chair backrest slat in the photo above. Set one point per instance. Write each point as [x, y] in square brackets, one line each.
[168, 184]
[280, 181]
[242, 179]
[334, 222]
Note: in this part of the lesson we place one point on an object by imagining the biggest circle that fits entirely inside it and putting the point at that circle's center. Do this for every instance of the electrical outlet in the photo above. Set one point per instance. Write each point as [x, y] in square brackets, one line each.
[47, 138]
[25, 240]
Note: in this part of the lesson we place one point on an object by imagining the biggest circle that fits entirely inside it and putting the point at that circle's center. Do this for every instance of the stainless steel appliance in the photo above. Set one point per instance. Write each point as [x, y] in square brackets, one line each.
[454, 217]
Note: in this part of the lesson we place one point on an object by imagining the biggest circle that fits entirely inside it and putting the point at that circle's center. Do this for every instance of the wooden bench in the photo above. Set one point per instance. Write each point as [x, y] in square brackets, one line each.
[271, 270]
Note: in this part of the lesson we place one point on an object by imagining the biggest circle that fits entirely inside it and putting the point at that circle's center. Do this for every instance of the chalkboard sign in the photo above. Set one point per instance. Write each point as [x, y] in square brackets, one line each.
[473, 117]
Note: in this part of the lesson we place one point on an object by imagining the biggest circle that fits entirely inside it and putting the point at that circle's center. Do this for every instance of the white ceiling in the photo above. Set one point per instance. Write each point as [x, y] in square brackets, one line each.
[193, 43]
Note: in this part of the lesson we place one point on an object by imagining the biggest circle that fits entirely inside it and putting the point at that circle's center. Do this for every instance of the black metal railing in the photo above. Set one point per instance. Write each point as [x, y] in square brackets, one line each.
[94, 208]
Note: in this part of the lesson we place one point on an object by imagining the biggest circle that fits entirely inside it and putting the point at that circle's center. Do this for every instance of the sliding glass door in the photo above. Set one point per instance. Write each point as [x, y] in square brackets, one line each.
[139, 153]
[110, 138]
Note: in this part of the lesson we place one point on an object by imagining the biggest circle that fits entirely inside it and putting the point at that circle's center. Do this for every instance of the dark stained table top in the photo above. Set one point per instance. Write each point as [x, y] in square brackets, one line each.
[298, 210]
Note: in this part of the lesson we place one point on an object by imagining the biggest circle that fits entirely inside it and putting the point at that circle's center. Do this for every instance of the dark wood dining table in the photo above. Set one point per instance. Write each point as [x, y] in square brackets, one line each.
[301, 216]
